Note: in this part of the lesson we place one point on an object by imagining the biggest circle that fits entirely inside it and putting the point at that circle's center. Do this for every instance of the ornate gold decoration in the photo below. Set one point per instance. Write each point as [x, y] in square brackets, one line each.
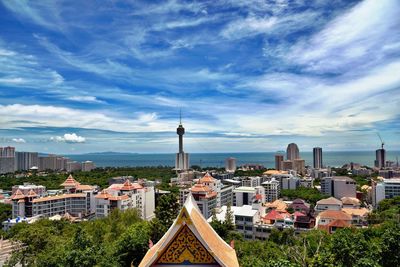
[186, 248]
[184, 217]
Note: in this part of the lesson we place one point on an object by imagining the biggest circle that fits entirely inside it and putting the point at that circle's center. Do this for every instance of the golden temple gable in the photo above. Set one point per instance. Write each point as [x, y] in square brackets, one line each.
[190, 241]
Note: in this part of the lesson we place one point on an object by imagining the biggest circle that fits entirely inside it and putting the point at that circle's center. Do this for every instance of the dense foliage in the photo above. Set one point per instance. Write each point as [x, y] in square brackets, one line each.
[311, 195]
[98, 177]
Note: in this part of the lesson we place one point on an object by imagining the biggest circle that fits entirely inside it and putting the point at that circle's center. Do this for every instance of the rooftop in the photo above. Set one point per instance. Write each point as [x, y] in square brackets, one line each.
[329, 201]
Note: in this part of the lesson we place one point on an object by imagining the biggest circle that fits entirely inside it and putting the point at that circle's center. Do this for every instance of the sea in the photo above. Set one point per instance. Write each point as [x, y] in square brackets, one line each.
[330, 158]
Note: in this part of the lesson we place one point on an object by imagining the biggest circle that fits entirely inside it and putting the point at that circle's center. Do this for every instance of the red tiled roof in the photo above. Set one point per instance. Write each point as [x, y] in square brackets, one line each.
[32, 193]
[207, 178]
[18, 195]
[128, 186]
[198, 187]
[103, 194]
[258, 196]
[339, 223]
[335, 215]
[273, 215]
[297, 213]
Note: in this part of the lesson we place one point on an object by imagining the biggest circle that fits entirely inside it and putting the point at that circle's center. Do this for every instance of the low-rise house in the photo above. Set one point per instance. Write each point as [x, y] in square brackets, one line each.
[303, 220]
[330, 203]
[300, 205]
[350, 202]
[358, 216]
[331, 220]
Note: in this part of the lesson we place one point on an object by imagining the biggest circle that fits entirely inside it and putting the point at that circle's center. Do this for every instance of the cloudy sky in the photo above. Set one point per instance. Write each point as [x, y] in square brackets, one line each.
[249, 75]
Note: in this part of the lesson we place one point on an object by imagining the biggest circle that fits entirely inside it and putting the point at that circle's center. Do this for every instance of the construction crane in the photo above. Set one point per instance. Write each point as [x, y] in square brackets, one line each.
[382, 143]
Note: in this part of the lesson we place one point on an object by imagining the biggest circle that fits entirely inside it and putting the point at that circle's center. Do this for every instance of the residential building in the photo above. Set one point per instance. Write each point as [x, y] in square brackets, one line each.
[299, 165]
[279, 161]
[287, 165]
[7, 165]
[40, 190]
[7, 152]
[26, 160]
[388, 174]
[386, 188]
[300, 206]
[358, 216]
[245, 195]
[73, 166]
[350, 202]
[190, 241]
[124, 196]
[272, 189]
[338, 186]
[290, 182]
[230, 165]
[205, 198]
[317, 158]
[330, 203]
[245, 217]
[87, 166]
[331, 220]
[307, 182]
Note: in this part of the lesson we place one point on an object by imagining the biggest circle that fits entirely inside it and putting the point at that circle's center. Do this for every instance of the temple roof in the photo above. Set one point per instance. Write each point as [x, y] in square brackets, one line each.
[207, 179]
[70, 182]
[190, 229]
[32, 193]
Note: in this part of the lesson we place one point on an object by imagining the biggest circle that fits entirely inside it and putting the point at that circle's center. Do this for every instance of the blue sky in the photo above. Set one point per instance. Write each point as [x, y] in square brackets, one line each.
[249, 75]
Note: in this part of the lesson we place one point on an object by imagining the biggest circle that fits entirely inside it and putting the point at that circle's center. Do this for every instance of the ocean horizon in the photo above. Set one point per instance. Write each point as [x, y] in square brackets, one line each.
[330, 158]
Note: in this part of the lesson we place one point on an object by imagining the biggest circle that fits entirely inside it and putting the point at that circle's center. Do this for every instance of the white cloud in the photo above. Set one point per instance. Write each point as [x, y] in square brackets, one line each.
[69, 138]
[86, 99]
[355, 39]
[18, 140]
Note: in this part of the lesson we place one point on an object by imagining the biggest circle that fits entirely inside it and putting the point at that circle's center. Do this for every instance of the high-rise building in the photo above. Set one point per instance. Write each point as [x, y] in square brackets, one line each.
[380, 158]
[230, 164]
[7, 152]
[26, 160]
[182, 158]
[278, 161]
[292, 152]
[87, 166]
[7, 159]
[317, 156]
[299, 166]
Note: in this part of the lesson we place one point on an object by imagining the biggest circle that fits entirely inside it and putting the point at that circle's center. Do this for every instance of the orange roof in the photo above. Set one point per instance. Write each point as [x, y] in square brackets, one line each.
[339, 223]
[18, 195]
[84, 187]
[123, 197]
[191, 221]
[207, 179]
[199, 187]
[277, 204]
[50, 198]
[104, 194]
[70, 182]
[272, 172]
[335, 215]
[356, 212]
[32, 193]
[128, 186]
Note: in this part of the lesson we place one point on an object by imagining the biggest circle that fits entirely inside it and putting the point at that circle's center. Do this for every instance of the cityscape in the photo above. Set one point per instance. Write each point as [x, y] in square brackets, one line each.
[200, 133]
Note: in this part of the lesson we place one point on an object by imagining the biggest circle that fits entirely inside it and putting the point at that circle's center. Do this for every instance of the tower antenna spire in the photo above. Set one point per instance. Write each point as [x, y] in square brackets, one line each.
[180, 116]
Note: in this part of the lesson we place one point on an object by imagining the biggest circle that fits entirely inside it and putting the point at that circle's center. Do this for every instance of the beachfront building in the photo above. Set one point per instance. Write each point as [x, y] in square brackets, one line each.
[190, 241]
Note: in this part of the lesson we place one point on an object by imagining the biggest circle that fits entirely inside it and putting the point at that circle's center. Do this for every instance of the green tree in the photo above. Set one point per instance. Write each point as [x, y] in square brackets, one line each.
[167, 210]
[133, 244]
[391, 246]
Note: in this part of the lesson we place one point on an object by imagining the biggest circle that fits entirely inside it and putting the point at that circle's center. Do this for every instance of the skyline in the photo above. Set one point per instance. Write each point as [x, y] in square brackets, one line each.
[248, 76]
